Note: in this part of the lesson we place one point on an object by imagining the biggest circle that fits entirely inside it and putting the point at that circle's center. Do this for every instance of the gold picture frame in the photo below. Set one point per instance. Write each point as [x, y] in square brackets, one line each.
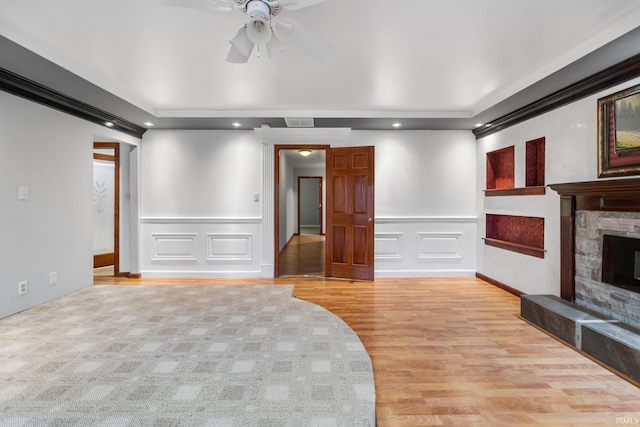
[619, 133]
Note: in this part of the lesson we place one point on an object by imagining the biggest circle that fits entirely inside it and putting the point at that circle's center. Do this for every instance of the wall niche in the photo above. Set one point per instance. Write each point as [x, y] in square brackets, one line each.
[522, 234]
[501, 171]
[535, 163]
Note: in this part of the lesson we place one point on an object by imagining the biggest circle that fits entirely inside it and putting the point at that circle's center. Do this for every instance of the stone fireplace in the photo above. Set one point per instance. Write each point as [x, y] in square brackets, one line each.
[591, 291]
[601, 319]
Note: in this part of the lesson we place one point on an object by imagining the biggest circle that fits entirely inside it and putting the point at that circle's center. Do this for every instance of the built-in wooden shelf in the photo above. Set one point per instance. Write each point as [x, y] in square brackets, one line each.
[500, 169]
[522, 191]
[515, 247]
[522, 234]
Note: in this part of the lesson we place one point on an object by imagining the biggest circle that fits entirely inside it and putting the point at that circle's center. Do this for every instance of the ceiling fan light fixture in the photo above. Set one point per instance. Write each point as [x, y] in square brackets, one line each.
[259, 32]
[236, 57]
[274, 46]
[258, 11]
[259, 27]
[242, 43]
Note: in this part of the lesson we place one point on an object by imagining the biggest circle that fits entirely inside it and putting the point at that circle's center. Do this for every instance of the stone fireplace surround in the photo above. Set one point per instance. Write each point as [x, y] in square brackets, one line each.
[599, 319]
[608, 300]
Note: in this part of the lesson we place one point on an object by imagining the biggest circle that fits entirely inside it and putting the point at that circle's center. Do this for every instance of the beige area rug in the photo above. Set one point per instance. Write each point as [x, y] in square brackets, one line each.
[223, 355]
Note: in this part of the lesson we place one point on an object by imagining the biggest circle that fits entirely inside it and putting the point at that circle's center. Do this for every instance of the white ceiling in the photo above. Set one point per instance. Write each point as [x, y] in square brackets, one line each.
[400, 58]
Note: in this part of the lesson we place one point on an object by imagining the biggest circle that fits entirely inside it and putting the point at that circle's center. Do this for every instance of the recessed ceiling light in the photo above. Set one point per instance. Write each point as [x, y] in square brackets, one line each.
[149, 124]
[479, 124]
[236, 124]
[109, 124]
[396, 125]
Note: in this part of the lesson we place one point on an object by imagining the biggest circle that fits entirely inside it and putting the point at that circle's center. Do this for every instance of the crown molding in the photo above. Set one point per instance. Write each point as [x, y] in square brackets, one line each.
[17, 85]
[612, 76]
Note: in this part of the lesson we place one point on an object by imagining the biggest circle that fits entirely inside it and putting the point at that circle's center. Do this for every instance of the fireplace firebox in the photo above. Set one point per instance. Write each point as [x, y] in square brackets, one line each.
[621, 262]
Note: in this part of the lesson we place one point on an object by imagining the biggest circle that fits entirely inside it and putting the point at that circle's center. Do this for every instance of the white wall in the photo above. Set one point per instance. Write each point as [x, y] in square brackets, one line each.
[51, 153]
[571, 156]
[425, 202]
[195, 183]
[199, 218]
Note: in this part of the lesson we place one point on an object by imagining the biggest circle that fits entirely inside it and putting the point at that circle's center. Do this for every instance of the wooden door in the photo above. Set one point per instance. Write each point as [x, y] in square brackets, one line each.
[350, 213]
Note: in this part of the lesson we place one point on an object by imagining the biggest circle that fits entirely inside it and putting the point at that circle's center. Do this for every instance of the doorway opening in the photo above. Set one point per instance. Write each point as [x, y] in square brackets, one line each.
[310, 205]
[349, 214]
[299, 210]
[106, 209]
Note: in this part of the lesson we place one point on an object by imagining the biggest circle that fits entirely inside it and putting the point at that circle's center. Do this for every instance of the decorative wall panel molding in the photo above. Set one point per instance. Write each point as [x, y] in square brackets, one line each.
[268, 211]
[199, 220]
[426, 246]
[389, 246]
[439, 245]
[229, 247]
[175, 247]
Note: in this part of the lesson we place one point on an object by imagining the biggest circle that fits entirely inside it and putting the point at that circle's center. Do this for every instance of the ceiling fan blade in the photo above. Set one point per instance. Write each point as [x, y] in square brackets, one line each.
[303, 39]
[298, 4]
[211, 5]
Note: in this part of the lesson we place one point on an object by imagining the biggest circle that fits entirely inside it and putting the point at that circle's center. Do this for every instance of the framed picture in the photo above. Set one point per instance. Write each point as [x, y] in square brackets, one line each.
[619, 133]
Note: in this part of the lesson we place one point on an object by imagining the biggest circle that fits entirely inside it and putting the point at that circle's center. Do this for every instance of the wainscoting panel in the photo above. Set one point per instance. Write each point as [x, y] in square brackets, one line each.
[389, 246]
[201, 247]
[229, 247]
[439, 245]
[175, 247]
[426, 246]
[233, 247]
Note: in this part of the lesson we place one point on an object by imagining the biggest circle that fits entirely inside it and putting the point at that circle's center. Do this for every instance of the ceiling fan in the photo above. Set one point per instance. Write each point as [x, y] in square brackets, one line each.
[262, 28]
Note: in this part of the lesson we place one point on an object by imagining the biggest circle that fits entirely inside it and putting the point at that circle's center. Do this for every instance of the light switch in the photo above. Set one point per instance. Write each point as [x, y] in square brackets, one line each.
[256, 197]
[23, 193]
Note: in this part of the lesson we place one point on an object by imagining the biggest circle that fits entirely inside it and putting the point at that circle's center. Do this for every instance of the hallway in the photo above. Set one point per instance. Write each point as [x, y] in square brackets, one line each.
[303, 256]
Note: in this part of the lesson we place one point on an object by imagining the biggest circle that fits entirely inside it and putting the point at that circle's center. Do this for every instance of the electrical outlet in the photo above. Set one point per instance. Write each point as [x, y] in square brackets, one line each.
[53, 278]
[23, 288]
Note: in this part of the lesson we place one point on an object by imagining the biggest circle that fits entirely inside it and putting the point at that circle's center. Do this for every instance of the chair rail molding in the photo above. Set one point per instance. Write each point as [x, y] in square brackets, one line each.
[200, 220]
[425, 219]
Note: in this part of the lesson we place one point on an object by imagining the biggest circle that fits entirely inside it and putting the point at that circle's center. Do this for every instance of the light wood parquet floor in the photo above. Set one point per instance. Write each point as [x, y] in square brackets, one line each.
[454, 351]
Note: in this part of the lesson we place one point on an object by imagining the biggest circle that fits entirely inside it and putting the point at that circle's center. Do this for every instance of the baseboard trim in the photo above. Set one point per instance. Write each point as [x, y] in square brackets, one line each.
[408, 274]
[195, 274]
[500, 285]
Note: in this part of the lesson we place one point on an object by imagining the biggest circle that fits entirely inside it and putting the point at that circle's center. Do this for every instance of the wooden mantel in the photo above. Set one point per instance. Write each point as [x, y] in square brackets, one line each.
[620, 195]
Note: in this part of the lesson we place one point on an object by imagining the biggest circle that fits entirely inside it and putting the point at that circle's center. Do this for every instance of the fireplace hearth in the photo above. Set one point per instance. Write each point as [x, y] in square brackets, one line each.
[621, 262]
